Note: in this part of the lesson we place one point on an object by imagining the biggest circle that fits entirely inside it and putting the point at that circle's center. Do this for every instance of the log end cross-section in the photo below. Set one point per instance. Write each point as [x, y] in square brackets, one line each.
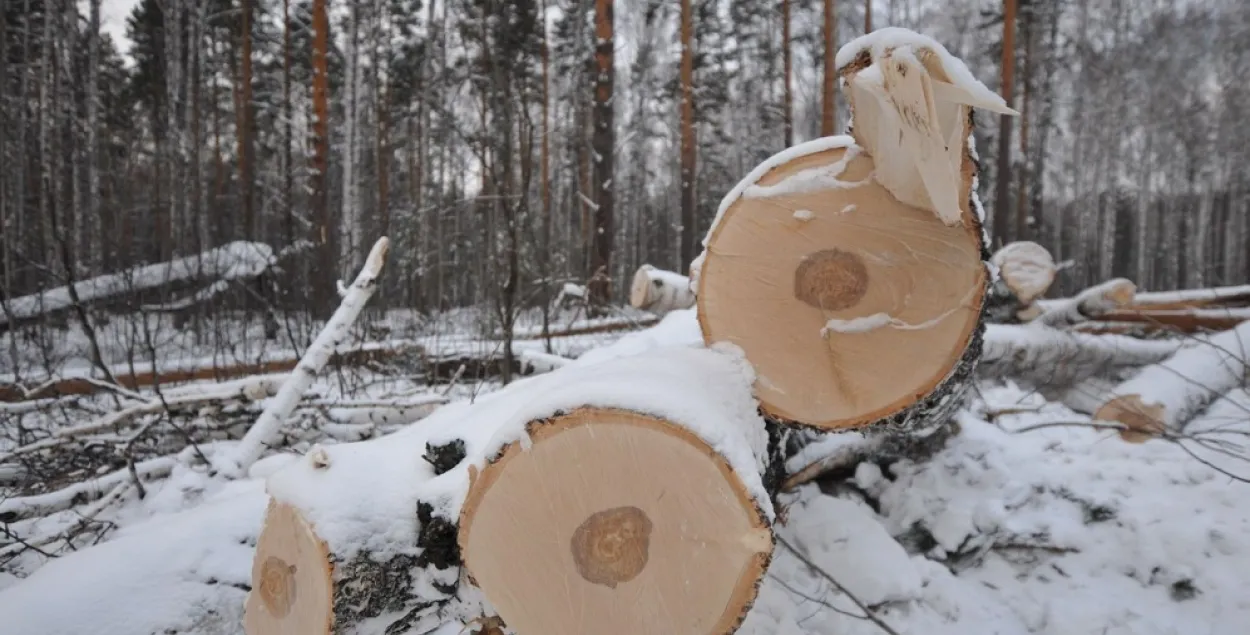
[293, 592]
[851, 305]
[614, 523]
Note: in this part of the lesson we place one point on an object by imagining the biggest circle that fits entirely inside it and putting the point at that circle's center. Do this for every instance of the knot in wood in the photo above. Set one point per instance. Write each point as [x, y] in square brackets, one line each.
[277, 586]
[831, 280]
[612, 546]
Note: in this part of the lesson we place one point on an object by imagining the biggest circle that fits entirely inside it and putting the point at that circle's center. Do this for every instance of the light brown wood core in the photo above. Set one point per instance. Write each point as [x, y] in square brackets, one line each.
[612, 545]
[291, 584]
[831, 279]
[613, 523]
[277, 586]
[1143, 421]
[849, 304]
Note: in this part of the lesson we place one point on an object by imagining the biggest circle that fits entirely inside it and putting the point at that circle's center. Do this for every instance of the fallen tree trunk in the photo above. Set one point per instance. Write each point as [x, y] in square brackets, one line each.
[1182, 320]
[232, 261]
[566, 497]
[660, 291]
[1044, 356]
[852, 270]
[1094, 303]
[1165, 396]
[360, 355]
[1194, 298]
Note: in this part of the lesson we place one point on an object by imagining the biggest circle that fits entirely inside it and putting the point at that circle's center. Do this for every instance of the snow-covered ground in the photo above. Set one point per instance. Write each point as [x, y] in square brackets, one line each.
[1021, 524]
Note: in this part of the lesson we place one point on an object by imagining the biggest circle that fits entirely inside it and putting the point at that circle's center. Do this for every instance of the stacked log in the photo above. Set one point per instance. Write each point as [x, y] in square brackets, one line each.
[529, 492]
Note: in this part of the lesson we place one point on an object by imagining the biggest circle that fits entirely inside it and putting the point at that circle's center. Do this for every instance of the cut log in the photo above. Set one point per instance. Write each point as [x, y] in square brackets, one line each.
[1094, 303]
[1047, 357]
[633, 495]
[1163, 397]
[1025, 272]
[851, 270]
[660, 291]
[1027, 269]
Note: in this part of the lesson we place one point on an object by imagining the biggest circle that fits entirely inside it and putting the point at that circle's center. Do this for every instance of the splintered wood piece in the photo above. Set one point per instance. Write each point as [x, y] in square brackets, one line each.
[851, 305]
[614, 523]
[291, 586]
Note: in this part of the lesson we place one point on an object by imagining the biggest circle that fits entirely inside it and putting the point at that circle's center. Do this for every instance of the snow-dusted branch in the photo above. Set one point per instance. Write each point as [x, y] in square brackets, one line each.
[267, 427]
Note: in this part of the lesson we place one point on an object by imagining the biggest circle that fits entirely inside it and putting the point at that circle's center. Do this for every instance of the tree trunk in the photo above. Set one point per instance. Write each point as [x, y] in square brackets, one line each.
[1002, 179]
[604, 143]
[829, 105]
[587, 496]
[288, 170]
[323, 294]
[787, 99]
[867, 16]
[247, 141]
[688, 142]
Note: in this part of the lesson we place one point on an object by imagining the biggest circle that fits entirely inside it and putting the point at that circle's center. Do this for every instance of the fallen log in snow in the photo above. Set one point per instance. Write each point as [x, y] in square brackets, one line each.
[566, 497]
[1184, 320]
[1094, 303]
[232, 261]
[1044, 356]
[1194, 298]
[1165, 396]
[660, 291]
[144, 376]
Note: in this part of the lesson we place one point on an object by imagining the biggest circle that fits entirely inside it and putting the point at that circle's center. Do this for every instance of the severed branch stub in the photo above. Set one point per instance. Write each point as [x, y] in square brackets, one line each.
[851, 270]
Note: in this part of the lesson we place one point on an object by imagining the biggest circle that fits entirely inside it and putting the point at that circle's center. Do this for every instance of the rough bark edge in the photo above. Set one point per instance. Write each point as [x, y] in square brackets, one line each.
[764, 558]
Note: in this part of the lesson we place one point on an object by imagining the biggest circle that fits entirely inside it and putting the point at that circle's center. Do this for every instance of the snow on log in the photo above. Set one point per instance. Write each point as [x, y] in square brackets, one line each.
[1091, 304]
[232, 261]
[1163, 397]
[850, 271]
[1193, 298]
[629, 495]
[1045, 356]
[660, 291]
[262, 433]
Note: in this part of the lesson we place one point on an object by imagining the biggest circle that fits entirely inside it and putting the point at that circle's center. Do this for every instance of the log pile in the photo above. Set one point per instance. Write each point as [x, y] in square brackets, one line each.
[843, 287]
[638, 494]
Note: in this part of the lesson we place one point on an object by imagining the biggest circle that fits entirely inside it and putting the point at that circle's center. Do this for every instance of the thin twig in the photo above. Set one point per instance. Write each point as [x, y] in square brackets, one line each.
[868, 614]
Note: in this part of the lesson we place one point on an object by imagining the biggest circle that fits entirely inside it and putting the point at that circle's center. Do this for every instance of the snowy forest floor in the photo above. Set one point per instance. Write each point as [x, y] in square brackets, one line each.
[1028, 521]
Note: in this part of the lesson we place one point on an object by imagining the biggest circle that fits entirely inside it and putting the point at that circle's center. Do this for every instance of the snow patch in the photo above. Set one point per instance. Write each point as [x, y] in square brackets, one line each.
[803, 215]
[815, 179]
